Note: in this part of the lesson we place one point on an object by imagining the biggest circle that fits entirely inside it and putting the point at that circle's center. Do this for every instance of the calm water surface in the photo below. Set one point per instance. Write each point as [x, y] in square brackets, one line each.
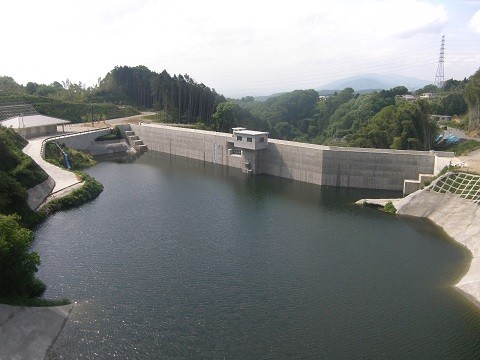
[180, 260]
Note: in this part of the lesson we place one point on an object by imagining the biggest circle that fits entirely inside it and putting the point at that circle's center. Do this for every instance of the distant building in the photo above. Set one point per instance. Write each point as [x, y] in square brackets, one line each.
[34, 125]
[428, 95]
[440, 117]
[408, 97]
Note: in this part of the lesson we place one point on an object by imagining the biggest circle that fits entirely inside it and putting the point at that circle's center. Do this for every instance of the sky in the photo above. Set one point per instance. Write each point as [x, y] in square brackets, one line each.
[239, 48]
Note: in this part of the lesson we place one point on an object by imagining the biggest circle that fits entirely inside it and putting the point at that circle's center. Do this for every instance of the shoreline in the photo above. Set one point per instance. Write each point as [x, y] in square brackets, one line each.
[458, 217]
[469, 297]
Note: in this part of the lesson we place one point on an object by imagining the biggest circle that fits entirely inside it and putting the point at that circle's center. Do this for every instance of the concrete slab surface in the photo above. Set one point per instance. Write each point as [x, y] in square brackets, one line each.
[28, 332]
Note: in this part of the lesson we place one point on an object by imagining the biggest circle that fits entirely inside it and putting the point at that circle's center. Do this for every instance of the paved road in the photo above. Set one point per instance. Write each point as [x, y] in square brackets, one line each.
[63, 179]
[458, 133]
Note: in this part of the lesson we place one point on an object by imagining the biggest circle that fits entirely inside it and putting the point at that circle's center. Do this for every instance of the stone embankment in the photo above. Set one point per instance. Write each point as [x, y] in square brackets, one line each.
[452, 202]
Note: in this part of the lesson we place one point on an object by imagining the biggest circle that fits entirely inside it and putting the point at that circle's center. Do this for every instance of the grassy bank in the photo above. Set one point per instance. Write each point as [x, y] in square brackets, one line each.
[89, 191]
[78, 159]
[464, 147]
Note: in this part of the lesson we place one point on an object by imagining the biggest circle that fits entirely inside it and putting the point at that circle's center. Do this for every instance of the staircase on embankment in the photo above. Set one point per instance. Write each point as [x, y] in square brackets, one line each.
[135, 142]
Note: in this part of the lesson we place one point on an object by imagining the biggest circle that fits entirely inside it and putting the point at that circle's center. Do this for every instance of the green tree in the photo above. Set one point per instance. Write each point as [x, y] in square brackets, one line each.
[31, 87]
[284, 130]
[452, 84]
[472, 97]
[17, 265]
[427, 89]
[225, 116]
[454, 104]
[8, 84]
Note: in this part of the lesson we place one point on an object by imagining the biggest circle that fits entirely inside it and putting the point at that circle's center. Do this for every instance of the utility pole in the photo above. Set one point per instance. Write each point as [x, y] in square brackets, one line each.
[440, 76]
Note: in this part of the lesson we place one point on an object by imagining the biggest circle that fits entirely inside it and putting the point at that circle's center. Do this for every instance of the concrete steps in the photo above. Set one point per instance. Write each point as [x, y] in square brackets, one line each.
[135, 142]
[410, 186]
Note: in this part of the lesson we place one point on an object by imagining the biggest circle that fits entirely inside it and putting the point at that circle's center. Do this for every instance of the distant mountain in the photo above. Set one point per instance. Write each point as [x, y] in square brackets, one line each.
[375, 81]
[266, 97]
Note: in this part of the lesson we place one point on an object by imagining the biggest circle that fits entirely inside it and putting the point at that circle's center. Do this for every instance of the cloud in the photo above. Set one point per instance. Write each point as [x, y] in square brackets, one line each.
[475, 22]
[246, 45]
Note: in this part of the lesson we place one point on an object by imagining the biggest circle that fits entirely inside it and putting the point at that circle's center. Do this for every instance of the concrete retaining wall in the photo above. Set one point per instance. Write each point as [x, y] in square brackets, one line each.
[322, 165]
[81, 141]
[39, 193]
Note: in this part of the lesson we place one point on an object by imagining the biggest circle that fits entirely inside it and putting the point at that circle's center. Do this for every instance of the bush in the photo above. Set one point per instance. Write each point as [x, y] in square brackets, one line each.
[18, 172]
[28, 173]
[17, 265]
[390, 208]
[464, 147]
[116, 134]
[14, 162]
[36, 288]
[78, 159]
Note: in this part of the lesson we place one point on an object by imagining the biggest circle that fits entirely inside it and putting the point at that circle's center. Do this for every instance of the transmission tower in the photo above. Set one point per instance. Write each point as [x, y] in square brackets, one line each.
[440, 77]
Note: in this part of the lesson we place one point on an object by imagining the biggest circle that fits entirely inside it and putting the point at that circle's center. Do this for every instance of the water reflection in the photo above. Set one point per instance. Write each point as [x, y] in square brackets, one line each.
[178, 258]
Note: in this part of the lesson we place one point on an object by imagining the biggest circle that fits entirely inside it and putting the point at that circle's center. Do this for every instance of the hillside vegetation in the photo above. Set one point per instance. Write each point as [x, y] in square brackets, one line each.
[177, 98]
[76, 112]
[18, 172]
[381, 119]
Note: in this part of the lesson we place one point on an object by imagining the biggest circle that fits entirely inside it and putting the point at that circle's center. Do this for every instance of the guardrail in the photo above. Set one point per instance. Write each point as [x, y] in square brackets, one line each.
[51, 138]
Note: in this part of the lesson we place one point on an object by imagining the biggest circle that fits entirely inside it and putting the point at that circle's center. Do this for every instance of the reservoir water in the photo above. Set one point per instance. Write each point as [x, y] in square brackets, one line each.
[178, 259]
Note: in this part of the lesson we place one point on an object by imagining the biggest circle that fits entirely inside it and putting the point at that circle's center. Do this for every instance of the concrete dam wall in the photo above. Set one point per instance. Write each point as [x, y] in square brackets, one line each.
[317, 164]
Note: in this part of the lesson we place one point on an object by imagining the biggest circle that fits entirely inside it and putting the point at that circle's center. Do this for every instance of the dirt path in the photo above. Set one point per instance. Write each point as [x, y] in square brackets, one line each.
[472, 161]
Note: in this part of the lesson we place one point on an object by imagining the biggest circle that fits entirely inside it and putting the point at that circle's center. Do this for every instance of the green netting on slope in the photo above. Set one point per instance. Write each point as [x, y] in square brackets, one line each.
[465, 185]
[10, 108]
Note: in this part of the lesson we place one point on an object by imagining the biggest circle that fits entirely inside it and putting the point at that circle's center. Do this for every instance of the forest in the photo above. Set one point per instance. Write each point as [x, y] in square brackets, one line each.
[380, 119]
